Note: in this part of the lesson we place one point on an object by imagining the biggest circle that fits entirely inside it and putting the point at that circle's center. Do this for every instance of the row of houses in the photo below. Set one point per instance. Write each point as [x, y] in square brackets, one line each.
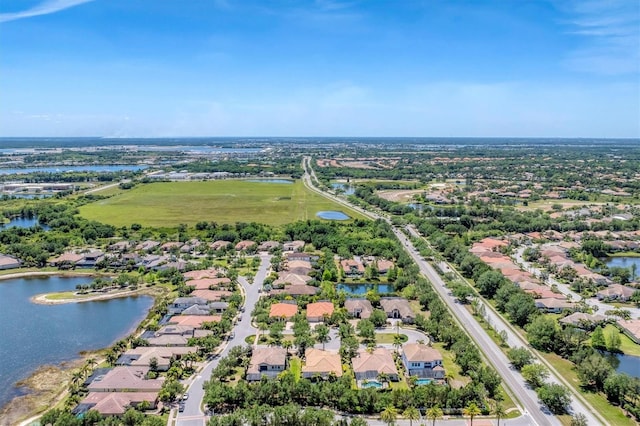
[419, 360]
[394, 307]
[134, 379]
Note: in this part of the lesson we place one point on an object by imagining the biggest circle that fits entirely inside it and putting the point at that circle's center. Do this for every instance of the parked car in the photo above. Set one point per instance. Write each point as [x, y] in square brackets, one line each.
[185, 396]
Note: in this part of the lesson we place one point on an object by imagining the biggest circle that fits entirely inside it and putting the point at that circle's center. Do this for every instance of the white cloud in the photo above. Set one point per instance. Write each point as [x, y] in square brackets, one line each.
[44, 8]
[611, 33]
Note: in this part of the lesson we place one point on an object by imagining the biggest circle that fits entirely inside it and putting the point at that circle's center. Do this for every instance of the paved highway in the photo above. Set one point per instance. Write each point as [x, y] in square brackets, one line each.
[193, 415]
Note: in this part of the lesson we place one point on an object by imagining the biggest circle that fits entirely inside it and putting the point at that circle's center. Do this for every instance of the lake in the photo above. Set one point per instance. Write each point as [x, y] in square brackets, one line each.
[62, 169]
[361, 289]
[22, 222]
[332, 215]
[624, 262]
[34, 335]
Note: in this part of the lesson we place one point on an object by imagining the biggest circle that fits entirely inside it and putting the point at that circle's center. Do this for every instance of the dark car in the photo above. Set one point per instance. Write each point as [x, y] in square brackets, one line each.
[181, 407]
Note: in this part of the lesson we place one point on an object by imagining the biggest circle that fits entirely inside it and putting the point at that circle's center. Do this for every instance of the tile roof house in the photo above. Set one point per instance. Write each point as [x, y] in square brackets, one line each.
[9, 262]
[268, 245]
[295, 246]
[207, 283]
[245, 245]
[352, 267]
[297, 290]
[115, 403]
[358, 308]
[300, 256]
[553, 305]
[220, 244]
[616, 292]
[631, 328]
[300, 267]
[142, 356]
[321, 363]
[268, 362]
[286, 277]
[125, 379]
[384, 265]
[66, 258]
[212, 295]
[422, 361]
[316, 312]
[369, 365]
[283, 310]
[195, 321]
[398, 308]
[582, 320]
[203, 273]
[182, 303]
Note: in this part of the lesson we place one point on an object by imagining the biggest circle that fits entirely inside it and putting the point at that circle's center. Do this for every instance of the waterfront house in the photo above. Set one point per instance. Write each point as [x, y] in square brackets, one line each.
[9, 262]
[115, 403]
[358, 308]
[617, 292]
[631, 328]
[142, 356]
[369, 365]
[318, 311]
[182, 303]
[66, 260]
[384, 265]
[195, 321]
[353, 268]
[582, 320]
[268, 362]
[319, 363]
[398, 308]
[125, 379]
[422, 361]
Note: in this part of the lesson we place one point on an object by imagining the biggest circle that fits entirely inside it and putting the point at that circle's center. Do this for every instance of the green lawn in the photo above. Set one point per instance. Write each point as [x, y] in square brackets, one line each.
[597, 400]
[628, 346]
[165, 204]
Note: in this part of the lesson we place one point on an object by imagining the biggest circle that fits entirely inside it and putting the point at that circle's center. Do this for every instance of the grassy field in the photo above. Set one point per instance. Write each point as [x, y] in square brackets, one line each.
[166, 204]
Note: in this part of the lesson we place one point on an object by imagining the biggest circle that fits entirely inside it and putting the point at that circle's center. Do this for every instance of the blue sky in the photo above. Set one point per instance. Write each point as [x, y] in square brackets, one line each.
[556, 68]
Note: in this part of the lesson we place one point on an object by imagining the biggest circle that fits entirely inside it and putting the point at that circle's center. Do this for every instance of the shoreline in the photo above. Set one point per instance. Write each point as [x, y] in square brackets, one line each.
[41, 299]
[47, 385]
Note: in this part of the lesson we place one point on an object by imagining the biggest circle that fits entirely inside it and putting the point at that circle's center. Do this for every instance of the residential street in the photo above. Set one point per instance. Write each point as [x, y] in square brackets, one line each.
[193, 415]
[600, 306]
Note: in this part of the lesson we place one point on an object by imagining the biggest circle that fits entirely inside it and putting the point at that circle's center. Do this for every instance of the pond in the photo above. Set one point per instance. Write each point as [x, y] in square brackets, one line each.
[34, 335]
[623, 262]
[280, 181]
[624, 363]
[22, 222]
[346, 188]
[332, 215]
[361, 289]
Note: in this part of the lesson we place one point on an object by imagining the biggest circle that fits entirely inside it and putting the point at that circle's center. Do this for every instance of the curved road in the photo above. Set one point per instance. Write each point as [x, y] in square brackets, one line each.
[193, 415]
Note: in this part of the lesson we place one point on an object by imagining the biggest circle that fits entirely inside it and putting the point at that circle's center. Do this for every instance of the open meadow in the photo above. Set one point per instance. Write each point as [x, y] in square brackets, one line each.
[166, 204]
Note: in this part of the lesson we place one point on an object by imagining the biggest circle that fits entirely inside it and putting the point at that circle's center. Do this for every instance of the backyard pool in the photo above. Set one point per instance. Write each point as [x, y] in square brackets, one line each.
[423, 381]
[371, 384]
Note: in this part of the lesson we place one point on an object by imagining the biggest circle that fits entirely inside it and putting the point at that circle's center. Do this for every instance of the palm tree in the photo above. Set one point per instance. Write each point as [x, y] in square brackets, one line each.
[389, 415]
[322, 334]
[471, 410]
[434, 413]
[287, 344]
[498, 410]
[412, 414]
[397, 342]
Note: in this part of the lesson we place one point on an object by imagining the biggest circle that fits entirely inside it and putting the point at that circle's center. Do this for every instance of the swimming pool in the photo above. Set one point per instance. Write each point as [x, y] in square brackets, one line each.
[371, 384]
[423, 381]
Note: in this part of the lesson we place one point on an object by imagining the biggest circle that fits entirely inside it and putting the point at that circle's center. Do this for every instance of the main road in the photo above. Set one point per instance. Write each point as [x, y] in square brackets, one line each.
[193, 414]
[532, 410]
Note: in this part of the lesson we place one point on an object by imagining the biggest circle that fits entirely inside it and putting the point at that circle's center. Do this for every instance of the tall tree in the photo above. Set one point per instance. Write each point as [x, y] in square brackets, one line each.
[411, 413]
[472, 410]
[389, 415]
[434, 413]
